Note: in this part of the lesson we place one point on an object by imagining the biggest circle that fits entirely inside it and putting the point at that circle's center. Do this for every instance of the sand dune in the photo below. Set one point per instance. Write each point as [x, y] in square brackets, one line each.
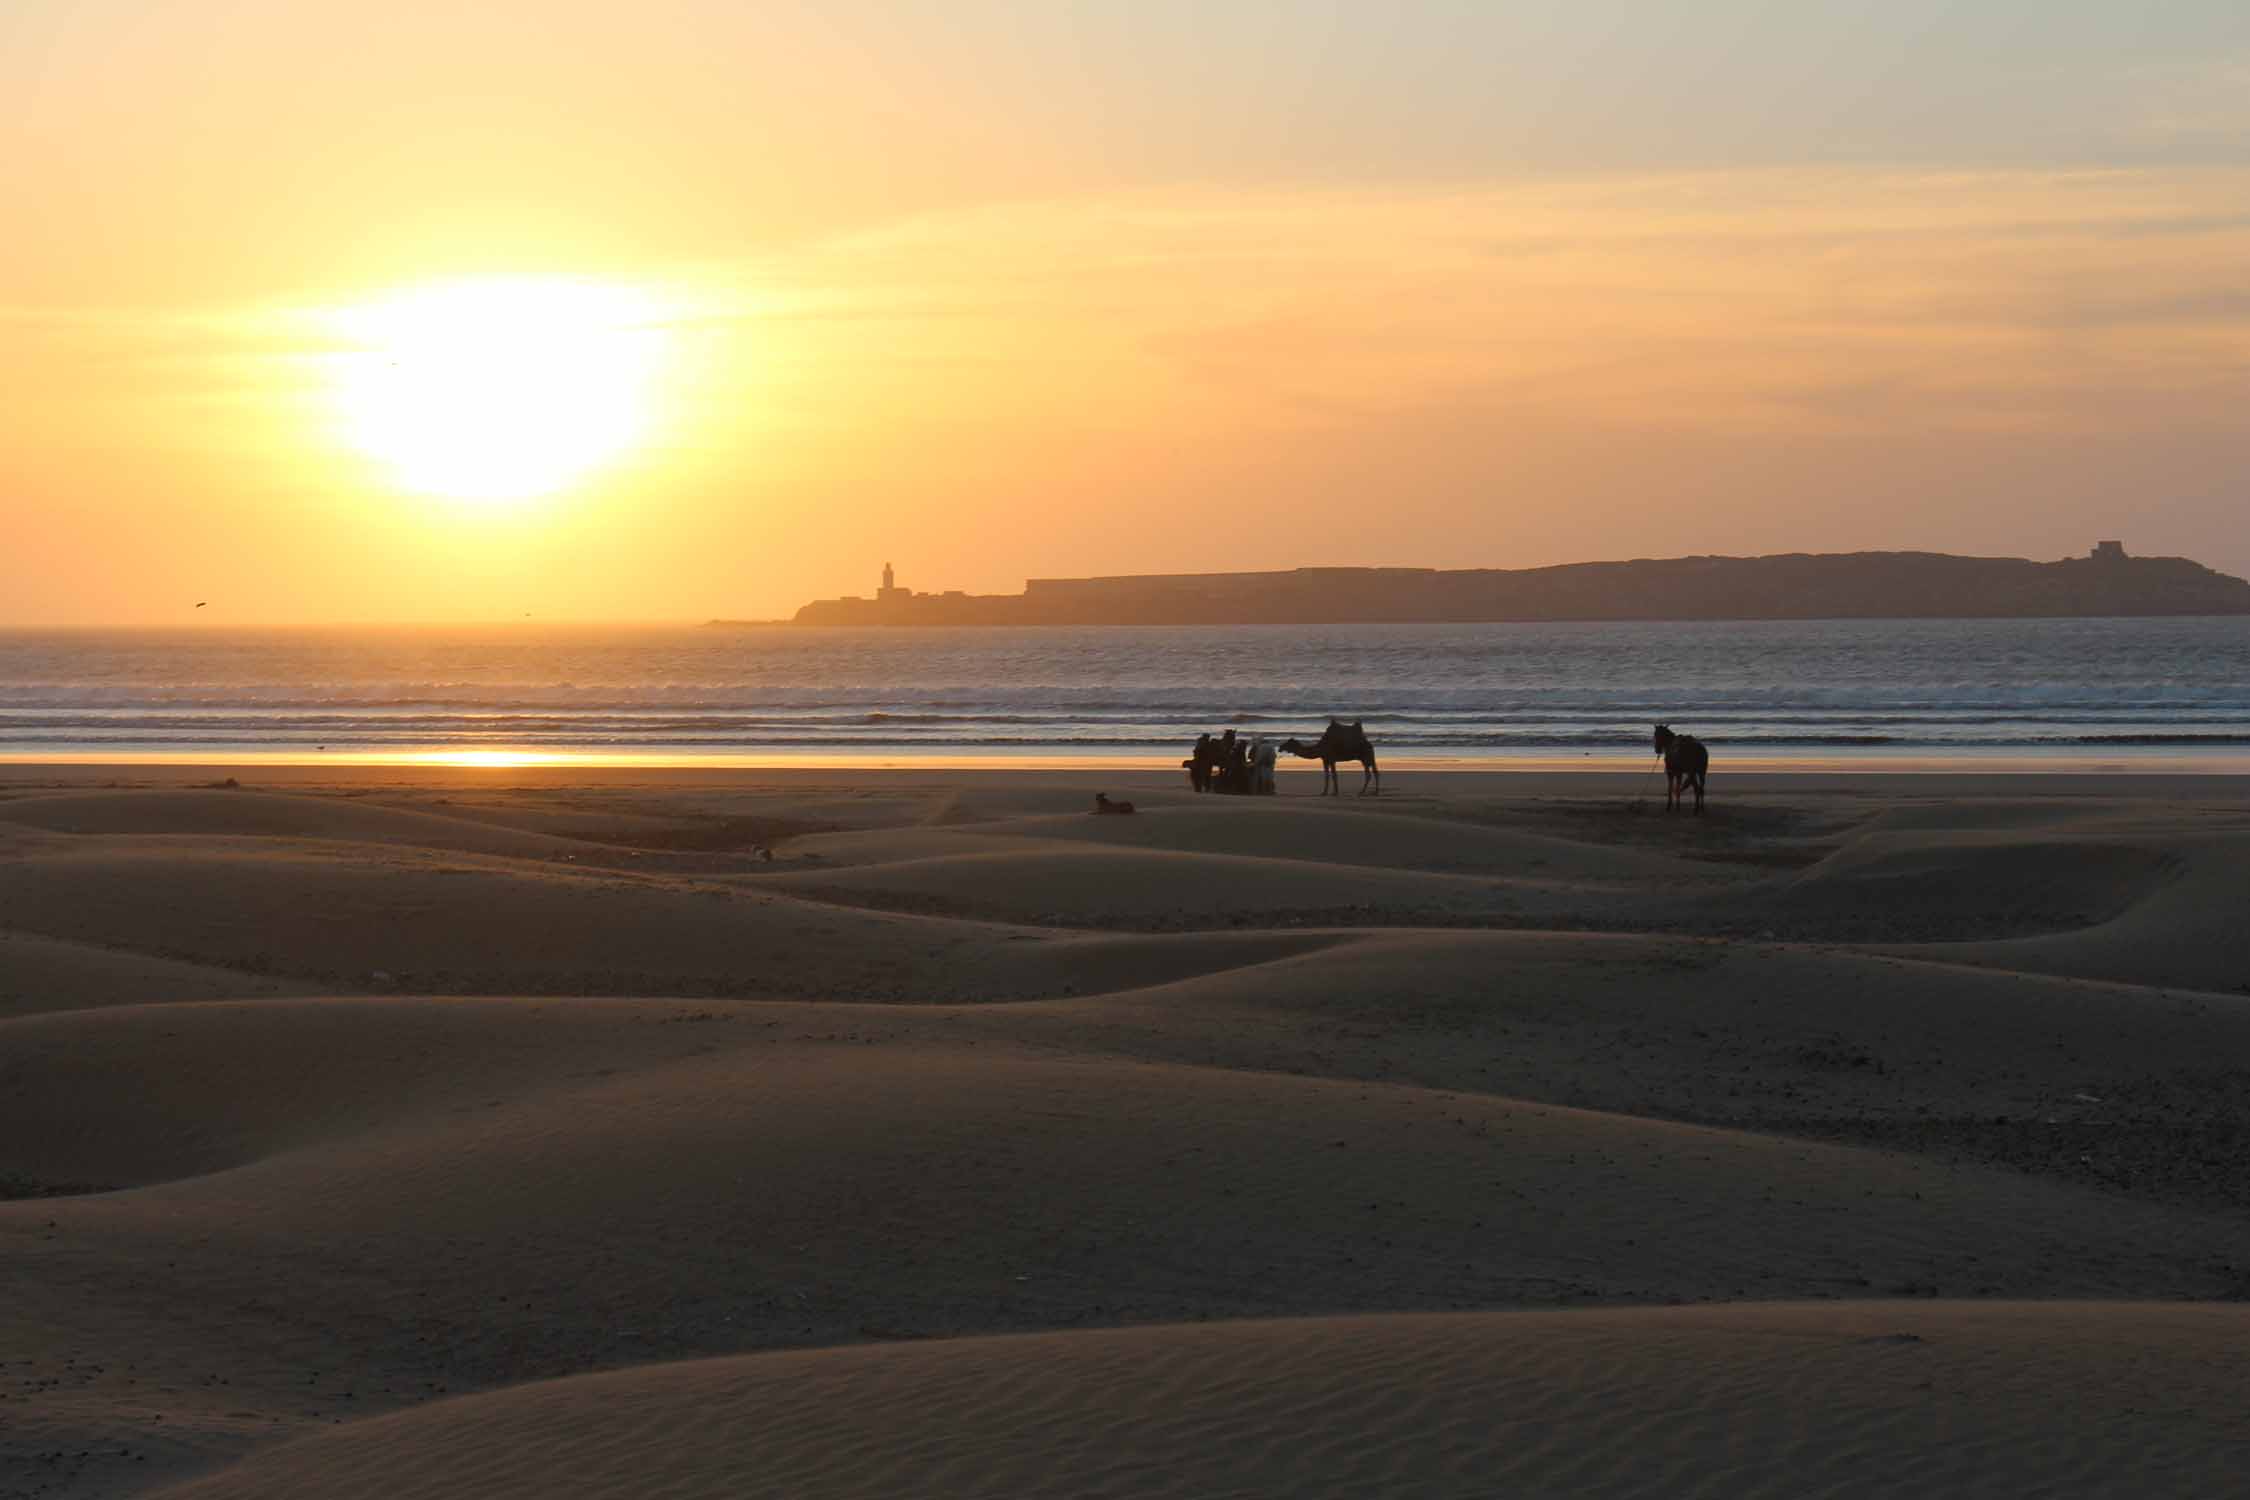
[421, 920]
[2137, 906]
[1635, 1020]
[40, 974]
[1142, 888]
[1953, 814]
[385, 1200]
[1244, 829]
[250, 814]
[1349, 835]
[883, 846]
[2110, 1085]
[1978, 886]
[1222, 862]
[724, 1147]
[2183, 927]
[1851, 1400]
[623, 818]
[321, 1111]
[425, 920]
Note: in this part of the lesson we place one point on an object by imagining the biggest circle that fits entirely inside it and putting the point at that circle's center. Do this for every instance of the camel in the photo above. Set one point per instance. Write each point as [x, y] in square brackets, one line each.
[1686, 764]
[1340, 741]
[1102, 804]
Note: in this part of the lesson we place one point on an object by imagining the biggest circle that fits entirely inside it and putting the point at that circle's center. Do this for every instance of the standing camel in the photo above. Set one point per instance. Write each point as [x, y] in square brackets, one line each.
[1340, 741]
[1686, 764]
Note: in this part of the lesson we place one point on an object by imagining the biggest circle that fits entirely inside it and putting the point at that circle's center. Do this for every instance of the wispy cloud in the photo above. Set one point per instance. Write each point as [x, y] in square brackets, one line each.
[1751, 299]
[1709, 298]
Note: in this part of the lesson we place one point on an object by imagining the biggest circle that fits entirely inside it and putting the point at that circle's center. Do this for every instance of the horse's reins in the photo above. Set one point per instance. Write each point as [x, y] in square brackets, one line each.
[1651, 771]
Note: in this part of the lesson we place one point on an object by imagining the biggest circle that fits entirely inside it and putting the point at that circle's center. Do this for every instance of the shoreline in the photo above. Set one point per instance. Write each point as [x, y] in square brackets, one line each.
[2134, 763]
[1415, 781]
[2151, 761]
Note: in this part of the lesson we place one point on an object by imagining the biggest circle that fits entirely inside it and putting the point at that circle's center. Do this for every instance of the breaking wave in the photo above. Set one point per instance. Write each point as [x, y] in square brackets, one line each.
[1866, 687]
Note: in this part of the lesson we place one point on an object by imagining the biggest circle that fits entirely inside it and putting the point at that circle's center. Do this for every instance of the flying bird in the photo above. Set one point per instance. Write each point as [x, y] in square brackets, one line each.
[201, 602]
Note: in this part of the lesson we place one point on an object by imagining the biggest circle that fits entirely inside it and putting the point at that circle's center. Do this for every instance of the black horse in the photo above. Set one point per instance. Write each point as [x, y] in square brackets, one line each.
[1686, 764]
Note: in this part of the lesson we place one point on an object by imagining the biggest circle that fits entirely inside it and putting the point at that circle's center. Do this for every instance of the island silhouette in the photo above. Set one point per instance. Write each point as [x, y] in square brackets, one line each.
[1785, 586]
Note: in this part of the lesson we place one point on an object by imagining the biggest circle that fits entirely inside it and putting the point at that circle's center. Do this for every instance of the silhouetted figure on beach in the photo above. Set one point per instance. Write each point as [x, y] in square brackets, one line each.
[1228, 764]
[1234, 764]
[1686, 763]
[1261, 767]
[1200, 764]
[1102, 804]
[1340, 741]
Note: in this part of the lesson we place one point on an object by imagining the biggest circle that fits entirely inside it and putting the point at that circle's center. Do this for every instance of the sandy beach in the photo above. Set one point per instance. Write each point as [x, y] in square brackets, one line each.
[492, 1132]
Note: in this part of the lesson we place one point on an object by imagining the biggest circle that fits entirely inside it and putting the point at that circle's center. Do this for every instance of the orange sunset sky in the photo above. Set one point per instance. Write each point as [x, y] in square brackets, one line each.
[668, 310]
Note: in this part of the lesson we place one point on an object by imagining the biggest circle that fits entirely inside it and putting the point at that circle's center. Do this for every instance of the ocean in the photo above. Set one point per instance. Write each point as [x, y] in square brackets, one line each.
[2061, 693]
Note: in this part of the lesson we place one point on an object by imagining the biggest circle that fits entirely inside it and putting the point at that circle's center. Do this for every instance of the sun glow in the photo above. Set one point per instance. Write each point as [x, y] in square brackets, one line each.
[499, 389]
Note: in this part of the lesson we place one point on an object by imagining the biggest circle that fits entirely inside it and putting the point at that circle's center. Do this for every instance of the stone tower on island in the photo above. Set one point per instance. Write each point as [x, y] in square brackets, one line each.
[890, 589]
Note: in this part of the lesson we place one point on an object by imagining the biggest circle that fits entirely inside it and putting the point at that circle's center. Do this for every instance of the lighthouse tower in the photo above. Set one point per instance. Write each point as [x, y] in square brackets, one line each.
[890, 589]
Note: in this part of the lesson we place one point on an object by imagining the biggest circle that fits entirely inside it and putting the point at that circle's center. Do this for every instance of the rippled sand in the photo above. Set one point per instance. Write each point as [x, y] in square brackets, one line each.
[513, 1133]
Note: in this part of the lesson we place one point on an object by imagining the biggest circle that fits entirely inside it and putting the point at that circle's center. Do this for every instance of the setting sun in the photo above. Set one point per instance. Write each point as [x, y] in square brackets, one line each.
[501, 389]
[1273, 748]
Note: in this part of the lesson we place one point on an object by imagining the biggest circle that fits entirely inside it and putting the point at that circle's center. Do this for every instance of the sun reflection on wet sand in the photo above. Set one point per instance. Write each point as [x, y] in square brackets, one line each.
[753, 759]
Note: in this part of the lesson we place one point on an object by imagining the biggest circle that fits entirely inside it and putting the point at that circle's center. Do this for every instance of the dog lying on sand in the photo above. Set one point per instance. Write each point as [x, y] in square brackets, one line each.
[1102, 804]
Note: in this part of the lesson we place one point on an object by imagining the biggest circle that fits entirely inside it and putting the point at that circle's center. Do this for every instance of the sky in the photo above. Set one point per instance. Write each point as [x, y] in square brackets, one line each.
[354, 312]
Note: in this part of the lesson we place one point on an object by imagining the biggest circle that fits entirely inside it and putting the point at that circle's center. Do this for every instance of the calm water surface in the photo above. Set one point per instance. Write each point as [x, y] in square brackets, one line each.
[2073, 690]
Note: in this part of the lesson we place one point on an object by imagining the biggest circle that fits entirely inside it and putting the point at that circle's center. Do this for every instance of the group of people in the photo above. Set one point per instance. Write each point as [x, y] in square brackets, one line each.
[1227, 763]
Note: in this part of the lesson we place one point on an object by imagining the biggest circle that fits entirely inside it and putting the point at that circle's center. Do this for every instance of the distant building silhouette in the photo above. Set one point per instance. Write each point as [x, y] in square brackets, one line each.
[2109, 552]
[890, 589]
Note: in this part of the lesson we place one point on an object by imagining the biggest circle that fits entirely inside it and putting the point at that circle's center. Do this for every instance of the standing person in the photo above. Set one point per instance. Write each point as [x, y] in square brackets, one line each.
[1199, 764]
